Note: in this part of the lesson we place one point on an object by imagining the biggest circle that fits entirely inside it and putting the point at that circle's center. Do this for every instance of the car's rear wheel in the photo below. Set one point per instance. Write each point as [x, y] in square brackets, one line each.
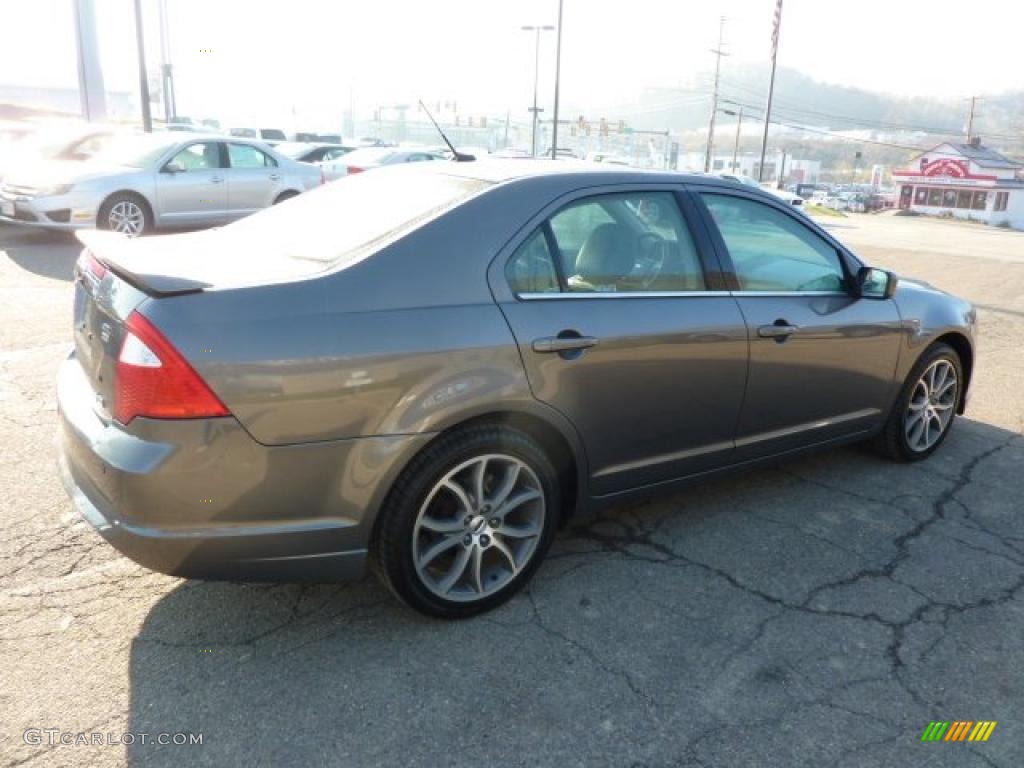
[285, 196]
[926, 408]
[468, 522]
[125, 213]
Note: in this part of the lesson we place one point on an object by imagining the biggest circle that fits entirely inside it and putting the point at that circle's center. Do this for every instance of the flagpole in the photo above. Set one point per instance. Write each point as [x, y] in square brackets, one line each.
[771, 88]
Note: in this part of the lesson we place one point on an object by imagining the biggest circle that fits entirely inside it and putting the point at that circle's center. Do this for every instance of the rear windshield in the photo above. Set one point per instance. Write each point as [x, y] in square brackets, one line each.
[335, 223]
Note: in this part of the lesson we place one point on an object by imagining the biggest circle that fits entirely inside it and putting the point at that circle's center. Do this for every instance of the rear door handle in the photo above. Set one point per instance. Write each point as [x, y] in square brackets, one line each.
[778, 332]
[563, 344]
[275, 176]
[216, 180]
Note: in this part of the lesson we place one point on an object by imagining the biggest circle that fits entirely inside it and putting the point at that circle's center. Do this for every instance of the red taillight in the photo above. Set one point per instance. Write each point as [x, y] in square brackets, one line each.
[355, 169]
[154, 380]
[89, 262]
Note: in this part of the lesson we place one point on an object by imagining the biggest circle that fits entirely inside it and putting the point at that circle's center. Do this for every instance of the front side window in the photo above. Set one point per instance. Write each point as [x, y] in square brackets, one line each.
[771, 251]
[198, 157]
[246, 156]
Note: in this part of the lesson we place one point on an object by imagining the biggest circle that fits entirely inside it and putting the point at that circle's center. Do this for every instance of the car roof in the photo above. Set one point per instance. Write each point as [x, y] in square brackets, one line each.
[499, 170]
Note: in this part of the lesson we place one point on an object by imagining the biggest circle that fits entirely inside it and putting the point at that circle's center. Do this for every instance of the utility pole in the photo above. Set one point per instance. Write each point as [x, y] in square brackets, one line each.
[771, 86]
[736, 145]
[719, 53]
[558, 72]
[147, 120]
[970, 118]
[536, 74]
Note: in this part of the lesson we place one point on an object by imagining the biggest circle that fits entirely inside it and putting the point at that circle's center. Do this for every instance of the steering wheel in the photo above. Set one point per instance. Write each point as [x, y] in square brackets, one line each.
[651, 252]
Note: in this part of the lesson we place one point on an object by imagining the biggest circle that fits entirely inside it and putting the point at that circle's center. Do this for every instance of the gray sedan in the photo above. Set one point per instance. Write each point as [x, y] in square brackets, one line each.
[481, 351]
[154, 181]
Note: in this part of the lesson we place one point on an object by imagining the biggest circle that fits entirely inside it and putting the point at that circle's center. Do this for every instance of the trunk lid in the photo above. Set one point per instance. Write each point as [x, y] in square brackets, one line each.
[168, 265]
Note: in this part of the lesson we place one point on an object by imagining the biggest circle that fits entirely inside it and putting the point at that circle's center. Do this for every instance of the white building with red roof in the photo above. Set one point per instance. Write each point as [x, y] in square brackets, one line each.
[967, 181]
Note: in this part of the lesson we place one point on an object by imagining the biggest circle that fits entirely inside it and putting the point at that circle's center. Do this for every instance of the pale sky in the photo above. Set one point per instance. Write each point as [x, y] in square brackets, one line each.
[266, 58]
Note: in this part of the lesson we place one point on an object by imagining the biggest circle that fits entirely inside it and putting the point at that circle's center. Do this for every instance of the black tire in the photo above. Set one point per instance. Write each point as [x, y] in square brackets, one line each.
[287, 195]
[392, 547]
[103, 217]
[892, 442]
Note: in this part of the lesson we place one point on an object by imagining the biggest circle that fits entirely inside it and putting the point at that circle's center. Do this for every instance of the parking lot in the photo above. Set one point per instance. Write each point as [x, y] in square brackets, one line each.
[819, 612]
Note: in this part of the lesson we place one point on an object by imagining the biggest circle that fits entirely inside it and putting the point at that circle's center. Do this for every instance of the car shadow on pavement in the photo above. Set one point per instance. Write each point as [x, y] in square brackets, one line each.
[42, 252]
[718, 626]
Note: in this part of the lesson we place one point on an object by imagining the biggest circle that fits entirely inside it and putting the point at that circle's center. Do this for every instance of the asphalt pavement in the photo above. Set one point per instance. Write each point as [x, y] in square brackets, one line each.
[819, 612]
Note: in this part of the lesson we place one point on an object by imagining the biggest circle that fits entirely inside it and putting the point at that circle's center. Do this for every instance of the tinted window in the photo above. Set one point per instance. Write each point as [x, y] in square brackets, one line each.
[532, 268]
[627, 243]
[245, 156]
[198, 157]
[771, 251]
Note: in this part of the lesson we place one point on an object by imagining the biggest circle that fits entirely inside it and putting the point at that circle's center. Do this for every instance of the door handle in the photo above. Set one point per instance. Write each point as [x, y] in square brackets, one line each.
[780, 330]
[275, 176]
[216, 180]
[563, 343]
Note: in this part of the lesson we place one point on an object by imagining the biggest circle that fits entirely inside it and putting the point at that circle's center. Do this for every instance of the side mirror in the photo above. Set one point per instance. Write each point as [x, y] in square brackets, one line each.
[174, 167]
[875, 283]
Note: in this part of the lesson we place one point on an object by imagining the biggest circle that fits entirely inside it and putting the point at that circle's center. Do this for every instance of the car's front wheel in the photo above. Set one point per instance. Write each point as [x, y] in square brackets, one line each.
[126, 213]
[468, 522]
[926, 407]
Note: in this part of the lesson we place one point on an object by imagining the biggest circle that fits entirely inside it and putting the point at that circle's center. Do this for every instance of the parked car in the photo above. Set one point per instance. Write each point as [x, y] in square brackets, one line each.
[312, 153]
[368, 158]
[65, 144]
[154, 181]
[272, 134]
[480, 352]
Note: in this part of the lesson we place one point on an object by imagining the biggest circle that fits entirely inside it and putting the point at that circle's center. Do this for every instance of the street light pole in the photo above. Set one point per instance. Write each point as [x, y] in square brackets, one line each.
[536, 75]
[558, 73]
[147, 120]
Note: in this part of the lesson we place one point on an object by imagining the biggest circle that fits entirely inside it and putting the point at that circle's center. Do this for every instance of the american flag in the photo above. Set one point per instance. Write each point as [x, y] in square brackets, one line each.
[776, 22]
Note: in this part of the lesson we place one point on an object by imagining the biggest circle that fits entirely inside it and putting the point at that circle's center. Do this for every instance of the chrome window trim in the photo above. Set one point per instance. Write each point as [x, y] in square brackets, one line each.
[617, 295]
[668, 294]
[790, 293]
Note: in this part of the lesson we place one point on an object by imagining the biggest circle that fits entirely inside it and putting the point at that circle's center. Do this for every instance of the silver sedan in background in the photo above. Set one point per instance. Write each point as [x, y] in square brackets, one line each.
[374, 157]
[155, 181]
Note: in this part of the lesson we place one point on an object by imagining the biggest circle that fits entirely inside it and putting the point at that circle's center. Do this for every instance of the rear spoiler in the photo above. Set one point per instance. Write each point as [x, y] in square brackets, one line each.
[120, 254]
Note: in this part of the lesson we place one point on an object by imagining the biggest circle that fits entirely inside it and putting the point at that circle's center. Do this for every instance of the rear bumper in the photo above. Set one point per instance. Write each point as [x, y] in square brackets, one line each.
[202, 499]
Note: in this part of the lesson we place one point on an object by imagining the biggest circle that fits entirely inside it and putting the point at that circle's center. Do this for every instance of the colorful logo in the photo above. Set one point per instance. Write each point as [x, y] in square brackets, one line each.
[958, 730]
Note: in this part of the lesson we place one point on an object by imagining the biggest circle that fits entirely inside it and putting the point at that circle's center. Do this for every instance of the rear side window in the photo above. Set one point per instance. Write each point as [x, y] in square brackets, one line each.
[771, 251]
[532, 269]
[245, 156]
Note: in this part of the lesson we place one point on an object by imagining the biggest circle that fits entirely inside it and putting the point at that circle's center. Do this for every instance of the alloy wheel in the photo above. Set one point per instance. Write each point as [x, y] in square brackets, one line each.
[478, 527]
[127, 217]
[931, 407]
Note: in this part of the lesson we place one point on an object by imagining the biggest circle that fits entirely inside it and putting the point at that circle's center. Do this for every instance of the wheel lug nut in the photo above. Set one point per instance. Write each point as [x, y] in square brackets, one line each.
[485, 540]
[467, 540]
[495, 522]
[485, 509]
[468, 520]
